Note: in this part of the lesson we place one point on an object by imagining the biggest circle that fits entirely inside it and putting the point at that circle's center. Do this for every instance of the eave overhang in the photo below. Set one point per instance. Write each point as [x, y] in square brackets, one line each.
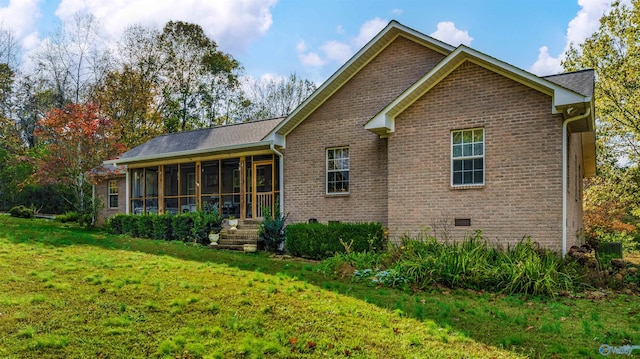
[261, 145]
[563, 100]
[374, 47]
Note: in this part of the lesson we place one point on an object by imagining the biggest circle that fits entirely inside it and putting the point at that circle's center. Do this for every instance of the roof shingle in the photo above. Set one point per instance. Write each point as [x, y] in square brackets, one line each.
[203, 139]
[582, 81]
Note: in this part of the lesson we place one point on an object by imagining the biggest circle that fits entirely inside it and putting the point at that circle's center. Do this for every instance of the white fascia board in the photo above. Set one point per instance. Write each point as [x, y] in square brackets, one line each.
[191, 152]
[275, 138]
[382, 124]
[437, 45]
[560, 95]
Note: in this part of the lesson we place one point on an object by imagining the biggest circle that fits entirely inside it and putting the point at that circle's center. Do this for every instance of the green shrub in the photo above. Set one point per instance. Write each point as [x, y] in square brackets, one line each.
[320, 241]
[130, 225]
[22, 212]
[145, 226]
[272, 230]
[162, 227]
[181, 226]
[115, 224]
[68, 217]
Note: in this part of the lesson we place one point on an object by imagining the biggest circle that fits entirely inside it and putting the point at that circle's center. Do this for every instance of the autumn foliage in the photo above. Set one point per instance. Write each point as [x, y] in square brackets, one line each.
[77, 138]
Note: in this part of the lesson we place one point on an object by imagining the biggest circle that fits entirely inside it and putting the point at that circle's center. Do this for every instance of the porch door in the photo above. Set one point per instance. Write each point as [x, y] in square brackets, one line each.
[263, 189]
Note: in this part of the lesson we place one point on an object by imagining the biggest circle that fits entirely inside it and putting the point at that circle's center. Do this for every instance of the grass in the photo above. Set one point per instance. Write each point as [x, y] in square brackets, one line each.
[118, 297]
[82, 293]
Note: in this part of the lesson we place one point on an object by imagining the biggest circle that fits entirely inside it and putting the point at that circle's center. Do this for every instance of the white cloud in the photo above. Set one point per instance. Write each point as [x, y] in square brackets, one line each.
[336, 51]
[20, 17]
[368, 30]
[396, 12]
[447, 32]
[308, 58]
[233, 24]
[546, 64]
[340, 51]
[585, 23]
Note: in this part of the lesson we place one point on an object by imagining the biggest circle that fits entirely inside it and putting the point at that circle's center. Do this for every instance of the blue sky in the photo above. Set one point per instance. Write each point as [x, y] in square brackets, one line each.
[313, 38]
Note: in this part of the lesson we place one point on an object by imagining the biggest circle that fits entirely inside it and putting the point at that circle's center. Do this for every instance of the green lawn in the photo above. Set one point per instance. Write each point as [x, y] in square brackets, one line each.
[71, 292]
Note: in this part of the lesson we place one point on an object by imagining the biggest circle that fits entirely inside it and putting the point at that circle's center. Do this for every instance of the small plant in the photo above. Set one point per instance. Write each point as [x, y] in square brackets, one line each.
[71, 216]
[272, 230]
[22, 212]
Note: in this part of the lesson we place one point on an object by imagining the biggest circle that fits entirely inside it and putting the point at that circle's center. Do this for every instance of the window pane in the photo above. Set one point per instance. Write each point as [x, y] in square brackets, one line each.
[187, 179]
[478, 135]
[113, 186]
[467, 165]
[337, 170]
[457, 165]
[136, 206]
[478, 149]
[210, 177]
[457, 178]
[331, 165]
[171, 180]
[113, 201]
[467, 136]
[478, 177]
[171, 206]
[457, 137]
[457, 150]
[478, 164]
[468, 177]
[151, 206]
[467, 150]
[151, 180]
[137, 176]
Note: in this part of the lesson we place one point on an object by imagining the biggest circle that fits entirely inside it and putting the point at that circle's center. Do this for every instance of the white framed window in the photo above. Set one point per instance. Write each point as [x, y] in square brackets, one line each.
[338, 170]
[467, 157]
[113, 194]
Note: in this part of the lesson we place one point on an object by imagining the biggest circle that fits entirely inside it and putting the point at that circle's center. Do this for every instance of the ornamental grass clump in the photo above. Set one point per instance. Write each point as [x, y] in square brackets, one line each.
[422, 262]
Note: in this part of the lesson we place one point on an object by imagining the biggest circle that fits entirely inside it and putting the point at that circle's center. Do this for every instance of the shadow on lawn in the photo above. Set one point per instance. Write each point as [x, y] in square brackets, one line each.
[49, 233]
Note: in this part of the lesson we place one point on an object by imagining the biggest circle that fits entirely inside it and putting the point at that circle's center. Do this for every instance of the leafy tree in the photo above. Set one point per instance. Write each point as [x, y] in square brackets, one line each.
[612, 199]
[191, 63]
[15, 164]
[76, 139]
[128, 98]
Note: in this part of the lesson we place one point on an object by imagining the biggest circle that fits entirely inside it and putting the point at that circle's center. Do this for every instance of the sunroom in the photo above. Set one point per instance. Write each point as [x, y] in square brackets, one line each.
[230, 167]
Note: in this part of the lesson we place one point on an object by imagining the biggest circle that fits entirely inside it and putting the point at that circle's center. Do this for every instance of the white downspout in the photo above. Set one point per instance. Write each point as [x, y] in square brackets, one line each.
[565, 184]
[126, 196]
[281, 174]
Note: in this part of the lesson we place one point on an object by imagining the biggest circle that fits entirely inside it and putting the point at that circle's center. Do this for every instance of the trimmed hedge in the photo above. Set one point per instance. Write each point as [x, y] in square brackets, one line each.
[186, 227]
[320, 241]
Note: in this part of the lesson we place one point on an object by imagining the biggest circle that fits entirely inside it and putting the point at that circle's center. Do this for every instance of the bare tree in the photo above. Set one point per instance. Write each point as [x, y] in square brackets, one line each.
[277, 97]
[73, 59]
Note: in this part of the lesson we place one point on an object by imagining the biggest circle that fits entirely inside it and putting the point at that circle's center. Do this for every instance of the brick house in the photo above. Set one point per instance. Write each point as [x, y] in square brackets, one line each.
[410, 132]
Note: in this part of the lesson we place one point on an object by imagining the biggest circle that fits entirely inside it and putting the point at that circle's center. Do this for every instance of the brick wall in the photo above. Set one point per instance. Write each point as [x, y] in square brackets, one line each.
[102, 192]
[339, 122]
[523, 161]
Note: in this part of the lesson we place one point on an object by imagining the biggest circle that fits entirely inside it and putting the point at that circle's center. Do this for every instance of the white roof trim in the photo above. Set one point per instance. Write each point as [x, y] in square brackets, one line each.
[342, 75]
[384, 122]
[200, 151]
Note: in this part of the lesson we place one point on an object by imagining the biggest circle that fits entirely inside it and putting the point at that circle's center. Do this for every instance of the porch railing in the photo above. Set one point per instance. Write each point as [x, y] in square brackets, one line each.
[263, 200]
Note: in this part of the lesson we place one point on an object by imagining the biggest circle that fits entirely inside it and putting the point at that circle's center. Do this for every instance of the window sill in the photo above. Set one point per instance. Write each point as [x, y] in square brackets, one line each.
[463, 187]
[336, 195]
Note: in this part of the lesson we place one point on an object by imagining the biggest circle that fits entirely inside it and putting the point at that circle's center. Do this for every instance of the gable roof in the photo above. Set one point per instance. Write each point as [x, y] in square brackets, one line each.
[562, 98]
[582, 82]
[209, 140]
[376, 45]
